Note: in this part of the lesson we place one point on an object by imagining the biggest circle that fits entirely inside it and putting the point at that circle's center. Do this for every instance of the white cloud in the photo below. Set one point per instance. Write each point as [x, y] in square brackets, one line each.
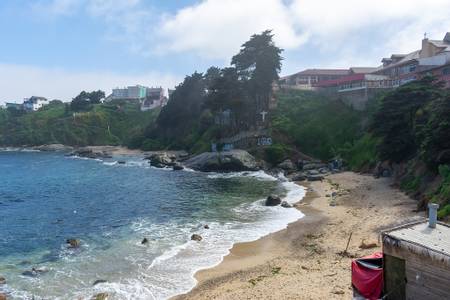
[216, 28]
[20, 81]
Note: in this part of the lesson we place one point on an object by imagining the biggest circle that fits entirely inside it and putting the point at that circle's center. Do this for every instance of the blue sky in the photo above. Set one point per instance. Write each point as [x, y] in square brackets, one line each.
[56, 48]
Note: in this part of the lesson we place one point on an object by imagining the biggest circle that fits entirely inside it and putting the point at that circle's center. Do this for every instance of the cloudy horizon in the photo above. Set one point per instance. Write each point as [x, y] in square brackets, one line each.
[56, 48]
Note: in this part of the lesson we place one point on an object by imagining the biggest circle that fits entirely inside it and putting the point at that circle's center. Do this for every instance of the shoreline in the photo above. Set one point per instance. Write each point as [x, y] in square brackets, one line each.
[303, 260]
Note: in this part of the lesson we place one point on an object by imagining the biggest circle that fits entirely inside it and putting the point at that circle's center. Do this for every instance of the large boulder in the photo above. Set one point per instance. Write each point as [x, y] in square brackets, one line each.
[313, 165]
[161, 160]
[315, 177]
[227, 161]
[287, 165]
[272, 200]
[298, 176]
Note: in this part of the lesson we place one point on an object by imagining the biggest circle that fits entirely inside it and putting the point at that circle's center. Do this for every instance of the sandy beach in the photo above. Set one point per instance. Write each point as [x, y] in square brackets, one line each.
[304, 260]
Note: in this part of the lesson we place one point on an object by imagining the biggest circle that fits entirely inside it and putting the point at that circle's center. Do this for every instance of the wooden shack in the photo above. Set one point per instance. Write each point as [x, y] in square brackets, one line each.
[416, 261]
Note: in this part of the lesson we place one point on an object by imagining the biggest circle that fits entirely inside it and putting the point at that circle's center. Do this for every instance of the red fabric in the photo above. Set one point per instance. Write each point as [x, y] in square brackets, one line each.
[368, 282]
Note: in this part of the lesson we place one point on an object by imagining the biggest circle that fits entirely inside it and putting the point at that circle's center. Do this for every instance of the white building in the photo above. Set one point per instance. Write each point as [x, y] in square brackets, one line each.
[34, 103]
[154, 98]
[136, 92]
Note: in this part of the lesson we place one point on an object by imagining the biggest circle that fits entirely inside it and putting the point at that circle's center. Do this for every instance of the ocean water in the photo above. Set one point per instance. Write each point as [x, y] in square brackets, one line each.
[46, 198]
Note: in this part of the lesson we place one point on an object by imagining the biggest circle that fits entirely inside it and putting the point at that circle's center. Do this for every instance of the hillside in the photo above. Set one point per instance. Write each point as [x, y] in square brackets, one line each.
[102, 124]
[313, 124]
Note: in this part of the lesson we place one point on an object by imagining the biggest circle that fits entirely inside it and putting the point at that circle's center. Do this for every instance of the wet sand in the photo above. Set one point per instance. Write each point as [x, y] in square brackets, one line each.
[304, 260]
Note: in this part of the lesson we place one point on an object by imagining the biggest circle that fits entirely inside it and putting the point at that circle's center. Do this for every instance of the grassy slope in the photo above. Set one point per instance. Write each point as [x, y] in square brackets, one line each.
[102, 125]
[315, 125]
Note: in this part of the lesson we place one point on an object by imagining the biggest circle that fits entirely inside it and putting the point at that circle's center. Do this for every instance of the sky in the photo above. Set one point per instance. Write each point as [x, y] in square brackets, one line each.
[57, 48]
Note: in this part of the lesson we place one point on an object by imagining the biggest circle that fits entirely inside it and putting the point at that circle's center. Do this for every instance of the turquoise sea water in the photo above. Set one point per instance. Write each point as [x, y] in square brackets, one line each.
[46, 198]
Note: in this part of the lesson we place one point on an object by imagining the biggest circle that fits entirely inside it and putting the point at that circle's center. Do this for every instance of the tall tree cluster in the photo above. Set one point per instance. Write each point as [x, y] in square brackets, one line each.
[244, 89]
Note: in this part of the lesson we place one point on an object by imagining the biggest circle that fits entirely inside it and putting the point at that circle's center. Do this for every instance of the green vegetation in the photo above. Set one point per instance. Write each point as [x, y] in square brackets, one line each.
[315, 125]
[362, 153]
[102, 124]
[275, 154]
[443, 195]
[220, 103]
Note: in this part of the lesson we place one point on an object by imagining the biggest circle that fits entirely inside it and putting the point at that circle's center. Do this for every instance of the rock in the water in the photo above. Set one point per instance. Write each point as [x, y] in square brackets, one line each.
[273, 201]
[206, 226]
[227, 161]
[315, 177]
[286, 165]
[89, 153]
[177, 167]
[286, 204]
[73, 243]
[53, 147]
[98, 281]
[196, 237]
[2, 296]
[34, 272]
[100, 296]
[161, 160]
[121, 162]
[144, 241]
[2, 280]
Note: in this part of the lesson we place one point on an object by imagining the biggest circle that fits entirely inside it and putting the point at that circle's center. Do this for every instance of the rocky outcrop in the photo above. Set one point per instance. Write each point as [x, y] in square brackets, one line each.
[298, 176]
[227, 161]
[272, 200]
[54, 147]
[89, 153]
[177, 167]
[2, 296]
[162, 160]
[196, 237]
[315, 177]
[287, 165]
